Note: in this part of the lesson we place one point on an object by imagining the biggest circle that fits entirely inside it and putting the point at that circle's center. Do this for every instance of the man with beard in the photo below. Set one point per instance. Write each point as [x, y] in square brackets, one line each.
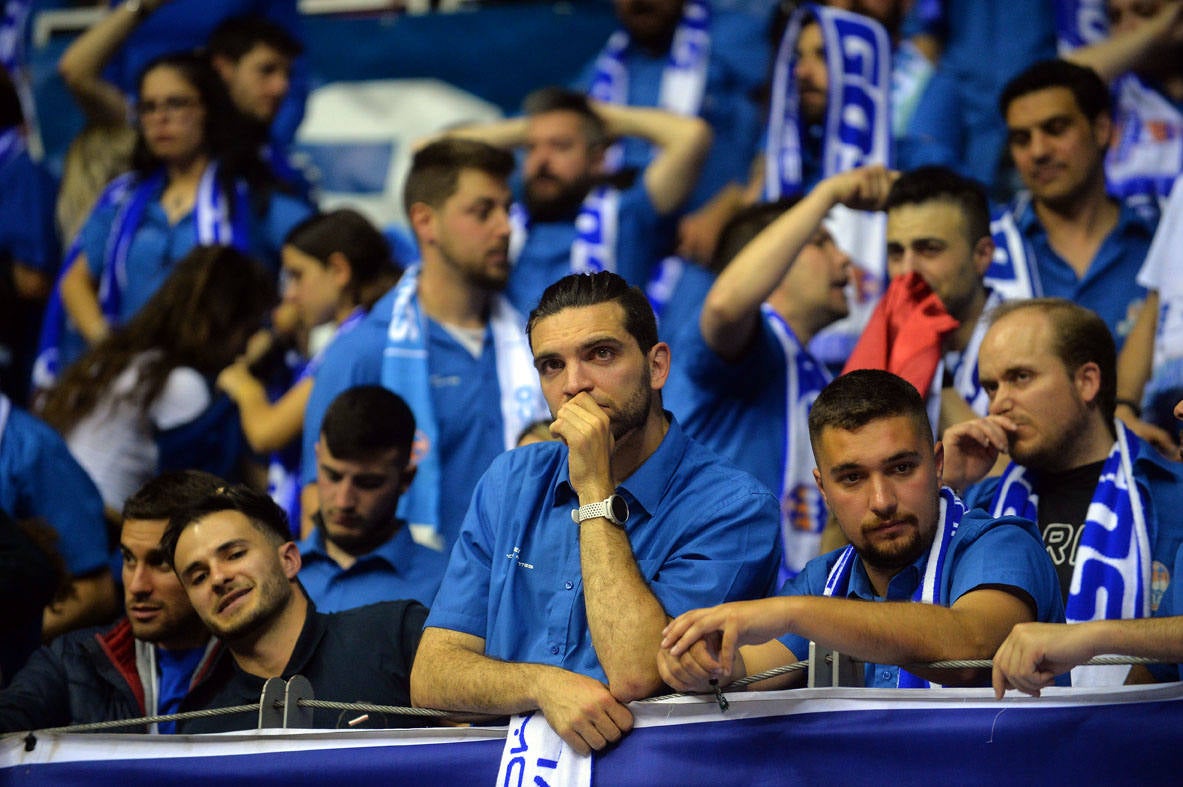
[1067, 237]
[444, 339]
[361, 552]
[236, 562]
[911, 540]
[1106, 502]
[746, 382]
[576, 216]
[575, 552]
[148, 662]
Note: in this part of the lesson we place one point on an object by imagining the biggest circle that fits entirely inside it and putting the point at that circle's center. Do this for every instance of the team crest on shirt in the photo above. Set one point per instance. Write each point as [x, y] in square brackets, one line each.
[419, 447]
[1160, 577]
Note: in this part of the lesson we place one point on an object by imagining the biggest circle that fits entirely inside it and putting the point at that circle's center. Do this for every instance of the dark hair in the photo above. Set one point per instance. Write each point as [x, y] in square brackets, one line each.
[559, 99]
[347, 232]
[741, 228]
[857, 398]
[435, 169]
[366, 420]
[11, 113]
[941, 184]
[213, 294]
[1090, 92]
[237, 35]
[1079, 336]
[227, 135]
[169, 493]
[588, 289]
[262, 512]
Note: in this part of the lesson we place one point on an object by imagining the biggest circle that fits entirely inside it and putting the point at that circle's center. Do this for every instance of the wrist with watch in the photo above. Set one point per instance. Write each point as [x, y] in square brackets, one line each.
[614, 508]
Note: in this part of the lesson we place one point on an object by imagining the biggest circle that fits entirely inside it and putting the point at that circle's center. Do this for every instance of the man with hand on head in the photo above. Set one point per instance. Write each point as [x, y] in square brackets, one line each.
[235, 559]
[574, 553]
[943, 582]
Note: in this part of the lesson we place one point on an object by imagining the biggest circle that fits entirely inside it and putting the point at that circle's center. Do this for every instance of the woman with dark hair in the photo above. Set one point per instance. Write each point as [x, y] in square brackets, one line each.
[196, 180]
[141, 401]
[335, 266]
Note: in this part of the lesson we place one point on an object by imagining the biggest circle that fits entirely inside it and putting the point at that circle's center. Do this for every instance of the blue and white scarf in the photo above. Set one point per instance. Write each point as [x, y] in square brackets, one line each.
[663, 283]
[215, 223]
[1147, 150]
[405, 370]
[1112, 574]
[931, 589]
[965, 369]
[858, 116]
[683, 82]
[596, 229]
[802, 510]
[1013, 273]
[1080, 23]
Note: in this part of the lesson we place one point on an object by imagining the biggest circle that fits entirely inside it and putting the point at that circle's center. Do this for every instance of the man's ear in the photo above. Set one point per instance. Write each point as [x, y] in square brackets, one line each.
[422, 222]
[289, 558]
[406, 477]
[224, 66]
[817, 479]
[1103, 129]
[983, 254]
[938, 452]
[659, 365]
[1088, 381]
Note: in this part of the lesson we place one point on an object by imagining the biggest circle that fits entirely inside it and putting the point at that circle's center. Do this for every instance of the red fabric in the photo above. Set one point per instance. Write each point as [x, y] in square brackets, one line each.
[904, 333]
[120, 646]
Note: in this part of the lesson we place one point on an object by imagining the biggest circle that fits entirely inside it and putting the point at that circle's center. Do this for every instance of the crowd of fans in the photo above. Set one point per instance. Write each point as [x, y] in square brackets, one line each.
[789, 309]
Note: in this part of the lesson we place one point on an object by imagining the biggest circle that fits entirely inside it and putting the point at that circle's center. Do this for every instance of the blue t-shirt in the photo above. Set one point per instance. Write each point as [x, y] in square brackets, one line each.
[1004, 552]
[736, 69]
[702, 533]
[736, 409]
[398, 569]
[1160, 481]
[464, 397]
[643, 238]
[39, 477]
[684, 302]
[28, 230]
[176, 675]
[156, 245]
[1109, 286]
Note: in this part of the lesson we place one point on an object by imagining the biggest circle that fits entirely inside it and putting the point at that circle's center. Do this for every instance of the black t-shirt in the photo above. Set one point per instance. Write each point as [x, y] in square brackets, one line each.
[1064, 500]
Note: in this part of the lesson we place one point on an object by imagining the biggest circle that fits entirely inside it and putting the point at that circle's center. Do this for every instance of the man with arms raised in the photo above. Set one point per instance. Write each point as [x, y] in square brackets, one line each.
[233, 554]
[146, 663]
[361, 552]
[911, 540]
[538, 611]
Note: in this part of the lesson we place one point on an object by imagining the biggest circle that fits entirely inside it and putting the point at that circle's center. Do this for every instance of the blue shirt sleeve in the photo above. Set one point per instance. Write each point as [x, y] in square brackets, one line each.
[28, 233]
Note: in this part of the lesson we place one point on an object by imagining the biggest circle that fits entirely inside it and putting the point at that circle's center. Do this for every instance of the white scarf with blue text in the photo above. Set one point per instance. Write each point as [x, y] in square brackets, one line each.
[858, 117]
[405, 370]
[1111, 578]
[1146, 154]
[1013, 272]
[596, 230]
[932, 586]
[802, 510]
[965, 370]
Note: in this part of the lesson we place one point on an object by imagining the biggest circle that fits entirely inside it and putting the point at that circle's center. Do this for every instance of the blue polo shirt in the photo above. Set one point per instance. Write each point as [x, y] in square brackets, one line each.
[1160, 481]
[398, 569]
[39, 477]
[643, 239]
[157, 245]
[1000, 552]
[1109, 286]
[702, 533]
[464, 395]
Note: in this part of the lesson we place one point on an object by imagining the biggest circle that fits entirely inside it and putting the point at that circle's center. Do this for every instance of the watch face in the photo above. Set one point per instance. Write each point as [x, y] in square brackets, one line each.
[619, 508]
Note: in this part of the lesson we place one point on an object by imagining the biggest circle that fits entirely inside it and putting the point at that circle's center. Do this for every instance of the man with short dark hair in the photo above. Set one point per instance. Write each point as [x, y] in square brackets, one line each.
[1066, 237]
[445, 338]
[361, 552]
[148, 662]
[574, 553]
[1105, 502]
[911, 540]
[575, 215]
[233, 554]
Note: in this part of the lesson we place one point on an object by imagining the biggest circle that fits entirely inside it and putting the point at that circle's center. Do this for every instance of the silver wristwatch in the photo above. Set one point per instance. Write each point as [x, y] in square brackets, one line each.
[614, 508]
